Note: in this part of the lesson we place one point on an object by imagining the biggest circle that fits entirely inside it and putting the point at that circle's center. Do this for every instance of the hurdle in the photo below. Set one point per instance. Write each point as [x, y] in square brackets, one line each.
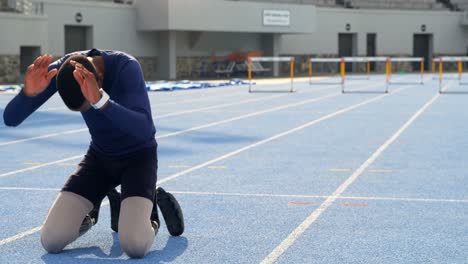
[459, 61]
[324, 60]
[271, 59]
[405, 59]
[366, 60]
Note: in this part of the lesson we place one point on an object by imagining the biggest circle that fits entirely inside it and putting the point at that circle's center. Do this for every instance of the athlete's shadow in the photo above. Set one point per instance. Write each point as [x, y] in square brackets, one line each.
[174, 247]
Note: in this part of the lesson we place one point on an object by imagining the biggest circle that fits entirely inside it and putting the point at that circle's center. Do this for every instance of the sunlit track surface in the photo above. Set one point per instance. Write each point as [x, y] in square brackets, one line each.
[314, 176]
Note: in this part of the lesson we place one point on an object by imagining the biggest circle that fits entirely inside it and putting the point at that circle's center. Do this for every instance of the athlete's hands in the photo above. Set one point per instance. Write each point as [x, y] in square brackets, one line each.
[37, 76]
[88, 83]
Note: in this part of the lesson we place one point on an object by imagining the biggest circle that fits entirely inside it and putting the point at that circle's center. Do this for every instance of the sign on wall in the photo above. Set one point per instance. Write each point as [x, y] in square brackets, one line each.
[281, 18]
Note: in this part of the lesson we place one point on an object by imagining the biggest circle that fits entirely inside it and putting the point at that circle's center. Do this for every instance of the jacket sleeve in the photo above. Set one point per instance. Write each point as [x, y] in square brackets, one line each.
[22, 106]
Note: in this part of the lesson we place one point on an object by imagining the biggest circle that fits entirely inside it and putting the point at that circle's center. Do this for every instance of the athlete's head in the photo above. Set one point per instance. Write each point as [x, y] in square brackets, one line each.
[68, 87]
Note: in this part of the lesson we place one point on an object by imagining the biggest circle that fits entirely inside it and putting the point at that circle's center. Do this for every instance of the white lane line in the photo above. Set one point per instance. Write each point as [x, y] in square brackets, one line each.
[29, 189]
[287, 106]
[340, 170]
[380, 171]
[270, 195]
[44, 136]
[218, 106]
[249, 115]
[201, 99]
[40, 166]
[68, 132]
[402, 199]
[342, 111]
[31, 231]
[275, 137]
[33, 122]
[20, 235]
[158, 137]
[156, 118]
[293, 236]
[51, 109]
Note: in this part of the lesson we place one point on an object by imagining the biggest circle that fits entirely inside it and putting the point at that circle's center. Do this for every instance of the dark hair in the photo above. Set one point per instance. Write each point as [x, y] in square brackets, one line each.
[67, 86]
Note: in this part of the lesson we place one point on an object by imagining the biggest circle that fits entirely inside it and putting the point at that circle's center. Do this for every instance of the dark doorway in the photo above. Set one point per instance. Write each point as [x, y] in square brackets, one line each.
[347, 47]
[371, 48]
[422, 47]
[27, 55]
[77, 38]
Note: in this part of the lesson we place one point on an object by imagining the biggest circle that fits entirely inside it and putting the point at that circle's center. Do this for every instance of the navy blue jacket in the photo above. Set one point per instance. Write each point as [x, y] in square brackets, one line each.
[124, 126]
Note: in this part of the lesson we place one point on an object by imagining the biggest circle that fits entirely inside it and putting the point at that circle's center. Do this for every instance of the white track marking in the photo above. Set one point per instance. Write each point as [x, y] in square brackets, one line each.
[249, 115]
[372, 198]
[319, 196]
[293, 236]
[156, 118]
[20, 235]
[254, 114]
[275, 137]
[158, 137]
[218, 106]
[40, 166]
[181, 113]
[44, 136]
[68, 132]
[29, 189]
[34, 121]
[51, 109]
[30, 231]
[380, 171]
[340, 170]
[316, 121]
[208, 98]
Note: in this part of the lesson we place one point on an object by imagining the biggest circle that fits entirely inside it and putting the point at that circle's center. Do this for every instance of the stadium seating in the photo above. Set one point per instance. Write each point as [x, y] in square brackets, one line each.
[398, 4]
[380, 4]
[460, 4]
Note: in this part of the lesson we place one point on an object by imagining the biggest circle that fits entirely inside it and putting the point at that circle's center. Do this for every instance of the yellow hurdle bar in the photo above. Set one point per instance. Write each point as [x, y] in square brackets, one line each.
[342, 71]
[440, 75]
[460, 70]
[292, 74]
[368, 68]
[459, 60]
[422, 71]
[387, 71]
[250, 75]
[310, 71]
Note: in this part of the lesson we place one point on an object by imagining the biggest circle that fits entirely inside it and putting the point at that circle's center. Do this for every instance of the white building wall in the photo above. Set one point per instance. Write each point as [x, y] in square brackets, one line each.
[19, 30]
[113, 27]
[394, 30]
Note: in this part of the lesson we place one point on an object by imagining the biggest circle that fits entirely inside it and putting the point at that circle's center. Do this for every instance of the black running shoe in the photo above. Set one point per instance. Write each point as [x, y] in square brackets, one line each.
[155, 226]
[86, 225]
[94, 214]
[171, 212]
[114, 201]
[90, 220]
